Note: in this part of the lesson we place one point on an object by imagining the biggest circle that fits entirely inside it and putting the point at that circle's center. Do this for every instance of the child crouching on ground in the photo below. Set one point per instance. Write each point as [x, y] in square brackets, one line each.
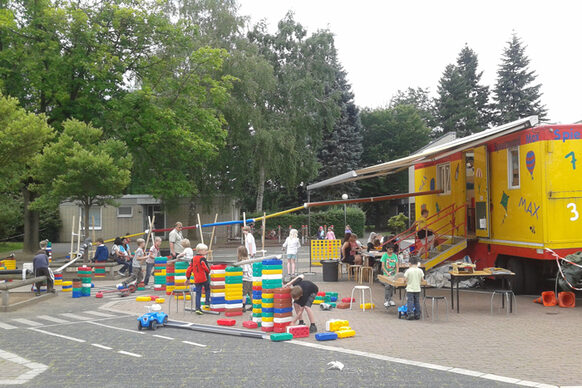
[390, 268]
[200, 269]
[303, 294]
[414, 276]
[247, 269]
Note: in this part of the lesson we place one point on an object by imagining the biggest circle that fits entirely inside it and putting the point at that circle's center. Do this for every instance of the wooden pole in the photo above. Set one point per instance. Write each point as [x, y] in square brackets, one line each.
[212, 238]
[92, 251]
[79, 236]
[200, 229]
[151, 227]
[264, 228]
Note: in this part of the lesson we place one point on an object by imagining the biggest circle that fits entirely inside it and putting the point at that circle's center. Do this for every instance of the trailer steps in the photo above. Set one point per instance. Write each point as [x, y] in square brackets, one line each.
[444, 251]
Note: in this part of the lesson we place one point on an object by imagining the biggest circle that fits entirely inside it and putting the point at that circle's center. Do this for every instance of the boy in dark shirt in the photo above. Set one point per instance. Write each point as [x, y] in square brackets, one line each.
[303, 294]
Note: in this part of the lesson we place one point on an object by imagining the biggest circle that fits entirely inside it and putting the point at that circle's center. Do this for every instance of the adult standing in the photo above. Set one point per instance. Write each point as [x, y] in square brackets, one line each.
[40, 264]
[176, 240]
[249, 241]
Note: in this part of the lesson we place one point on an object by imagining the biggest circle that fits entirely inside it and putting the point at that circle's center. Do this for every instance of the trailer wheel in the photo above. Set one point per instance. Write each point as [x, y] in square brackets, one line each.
[516, 266]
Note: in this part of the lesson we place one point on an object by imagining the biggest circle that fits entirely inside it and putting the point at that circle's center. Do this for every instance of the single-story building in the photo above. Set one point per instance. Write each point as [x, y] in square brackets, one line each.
[131, 216]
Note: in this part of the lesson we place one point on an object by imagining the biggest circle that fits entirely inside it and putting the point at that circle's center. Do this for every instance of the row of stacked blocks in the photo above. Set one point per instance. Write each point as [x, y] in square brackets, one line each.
[217, 287]
[257, 295]
[271, 284]
[326, 297]
[181, 283]
[233, 291]
[160, 273]
[81, 285]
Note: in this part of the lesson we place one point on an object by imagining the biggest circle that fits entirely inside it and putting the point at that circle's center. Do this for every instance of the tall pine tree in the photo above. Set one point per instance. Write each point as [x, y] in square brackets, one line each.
[342, 148]
[515, 94]
[462, 105]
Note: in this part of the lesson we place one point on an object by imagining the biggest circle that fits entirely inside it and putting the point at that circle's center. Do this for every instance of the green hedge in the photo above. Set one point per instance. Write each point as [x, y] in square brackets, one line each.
[356, 218]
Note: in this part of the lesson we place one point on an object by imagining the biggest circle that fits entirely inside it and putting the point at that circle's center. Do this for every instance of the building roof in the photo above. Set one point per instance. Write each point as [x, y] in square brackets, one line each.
[429, 154]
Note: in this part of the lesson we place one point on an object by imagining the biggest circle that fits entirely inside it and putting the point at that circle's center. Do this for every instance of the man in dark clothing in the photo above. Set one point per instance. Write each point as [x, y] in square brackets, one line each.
[303, 294]
[41, 268]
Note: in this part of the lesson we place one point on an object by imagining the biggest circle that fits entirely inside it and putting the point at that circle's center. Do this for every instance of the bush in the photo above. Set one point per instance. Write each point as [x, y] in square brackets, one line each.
[356, 218]
[398, 223]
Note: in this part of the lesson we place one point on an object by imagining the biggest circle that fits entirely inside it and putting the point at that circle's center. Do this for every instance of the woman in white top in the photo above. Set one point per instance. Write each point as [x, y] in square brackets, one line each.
[292, 244]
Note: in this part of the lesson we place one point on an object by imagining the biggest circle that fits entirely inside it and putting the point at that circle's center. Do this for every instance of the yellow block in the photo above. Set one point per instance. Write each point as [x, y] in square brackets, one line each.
[268, 296]
[267, 319]
[235, 273]
[160, 300]
[181, 297]
[345, 333]
[317, 301]
[257, 311]
[345, 328]
[368, 306]
[272, 271]
[337, 325]
[257, 284]
[268, 305]
[143, 299]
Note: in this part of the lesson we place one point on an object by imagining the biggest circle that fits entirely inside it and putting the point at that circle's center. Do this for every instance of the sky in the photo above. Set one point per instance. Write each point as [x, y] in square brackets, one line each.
[386, 46]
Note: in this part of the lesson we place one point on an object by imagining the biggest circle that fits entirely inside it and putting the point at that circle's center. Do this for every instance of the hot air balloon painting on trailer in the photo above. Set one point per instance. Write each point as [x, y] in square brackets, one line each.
[530, 162]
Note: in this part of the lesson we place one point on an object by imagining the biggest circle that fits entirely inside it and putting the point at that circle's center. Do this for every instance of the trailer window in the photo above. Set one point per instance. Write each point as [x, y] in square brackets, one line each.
[444, 178]
[513, 167]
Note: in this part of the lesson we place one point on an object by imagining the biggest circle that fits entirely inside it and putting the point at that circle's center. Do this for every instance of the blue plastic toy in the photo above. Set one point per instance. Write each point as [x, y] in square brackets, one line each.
[403, 311]
[153, 318]
[326, 336]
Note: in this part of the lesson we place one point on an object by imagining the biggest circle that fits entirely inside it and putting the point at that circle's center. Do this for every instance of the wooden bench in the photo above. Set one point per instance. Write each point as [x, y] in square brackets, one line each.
[5, 292]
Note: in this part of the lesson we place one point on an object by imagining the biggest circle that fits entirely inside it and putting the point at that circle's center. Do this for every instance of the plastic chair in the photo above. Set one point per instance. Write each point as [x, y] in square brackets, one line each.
[354, 270]
[506, 296]
[435, 300]
[370, 272]
[363, 298]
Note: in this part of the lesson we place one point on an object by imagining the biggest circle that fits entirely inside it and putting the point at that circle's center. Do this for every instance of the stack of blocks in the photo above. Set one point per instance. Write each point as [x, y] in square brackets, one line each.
[99, 272]
[160, 273]
[66, 286]
[170, 273]
[233, 291]
[272, 278]
[257, 292]
[180, 280]
[58, 279]
[77, 288]
[282, 309]
[10, 264]
[217, 291]
[337, 328]
[84, 274]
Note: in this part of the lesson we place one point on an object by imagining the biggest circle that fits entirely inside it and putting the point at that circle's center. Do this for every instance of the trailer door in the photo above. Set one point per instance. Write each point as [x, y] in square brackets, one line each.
[482, 217]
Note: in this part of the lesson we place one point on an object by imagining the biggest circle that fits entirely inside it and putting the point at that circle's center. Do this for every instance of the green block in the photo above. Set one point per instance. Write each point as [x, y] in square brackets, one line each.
[276, 337]
[332, 294]
[264, 314]
[327, 299]
[332, 304]
[268, 267]
[268, 300]
[319, 298]
[233, 279]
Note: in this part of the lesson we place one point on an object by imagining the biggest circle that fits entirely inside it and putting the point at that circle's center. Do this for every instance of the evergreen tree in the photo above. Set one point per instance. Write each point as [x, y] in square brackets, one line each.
[462, 105]
[515, 94]
[342, 148]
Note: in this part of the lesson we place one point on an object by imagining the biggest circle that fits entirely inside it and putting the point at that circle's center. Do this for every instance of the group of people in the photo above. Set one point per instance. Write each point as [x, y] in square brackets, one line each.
[322, 235]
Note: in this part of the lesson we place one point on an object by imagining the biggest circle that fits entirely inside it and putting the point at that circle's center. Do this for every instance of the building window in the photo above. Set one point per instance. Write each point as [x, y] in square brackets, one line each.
[94, 217]
[444, 178]
[124, 212]
[513, 167]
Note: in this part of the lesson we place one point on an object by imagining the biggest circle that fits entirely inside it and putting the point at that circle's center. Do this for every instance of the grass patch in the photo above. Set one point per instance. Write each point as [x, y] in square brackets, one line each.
[9, 247]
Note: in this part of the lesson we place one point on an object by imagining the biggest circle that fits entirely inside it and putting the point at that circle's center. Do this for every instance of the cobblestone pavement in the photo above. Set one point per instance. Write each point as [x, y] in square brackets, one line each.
[535, 343]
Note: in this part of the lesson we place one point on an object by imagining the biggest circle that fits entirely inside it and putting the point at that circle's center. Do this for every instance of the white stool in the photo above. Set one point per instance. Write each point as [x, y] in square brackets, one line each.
[363, 299]
[508, 301]
[435, 300]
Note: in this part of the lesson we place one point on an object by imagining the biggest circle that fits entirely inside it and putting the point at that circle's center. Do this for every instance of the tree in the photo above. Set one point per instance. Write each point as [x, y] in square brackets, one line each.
[22, 135]
[462, 105]
[516, 95]
[83, 167]
[389, 134]
[421, 100]
[342, 148]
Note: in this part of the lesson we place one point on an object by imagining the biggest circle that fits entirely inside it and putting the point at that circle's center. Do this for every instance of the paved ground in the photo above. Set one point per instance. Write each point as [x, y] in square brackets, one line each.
[534, 346]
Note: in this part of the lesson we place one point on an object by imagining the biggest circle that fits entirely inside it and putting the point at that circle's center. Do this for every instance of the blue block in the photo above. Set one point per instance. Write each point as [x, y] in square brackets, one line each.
[282, 311]
[271, 262]
[268, 310]
[327, 336]
[333, 299]
[218, 299]
[234, 301]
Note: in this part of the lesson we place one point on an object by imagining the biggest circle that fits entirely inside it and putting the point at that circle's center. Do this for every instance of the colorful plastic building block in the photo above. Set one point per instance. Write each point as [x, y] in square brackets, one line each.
[226, 322]
[250, 324]
[325, 336]
[345, 333]
[300, 331]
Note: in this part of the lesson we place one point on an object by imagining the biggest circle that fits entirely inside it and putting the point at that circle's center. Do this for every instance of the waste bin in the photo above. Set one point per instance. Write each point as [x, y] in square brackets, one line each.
[329, 270]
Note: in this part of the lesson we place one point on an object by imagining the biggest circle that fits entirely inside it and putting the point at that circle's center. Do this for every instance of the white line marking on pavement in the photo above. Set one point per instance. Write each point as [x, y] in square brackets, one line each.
[57, 335]
[467, 372]
[27, 322]
[116, 328]
[128, 353]
[7, 326]
[52, 319]
[162, 336]
[102, 346]
[77, 317]
[98, 314]
[36, 368]
[195, 344]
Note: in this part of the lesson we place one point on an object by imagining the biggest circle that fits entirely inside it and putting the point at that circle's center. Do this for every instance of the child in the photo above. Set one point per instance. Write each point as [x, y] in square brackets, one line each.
[137, 273]
[249, 241]
[414, 276]
[151, 259]
[303, 294]
[188, 253]
[330, 234]
[320, 233]
[247, 275]
[121, 256]
[390, 268]
[200, 269]
[292, 244]
[101, 253]
[423, 233]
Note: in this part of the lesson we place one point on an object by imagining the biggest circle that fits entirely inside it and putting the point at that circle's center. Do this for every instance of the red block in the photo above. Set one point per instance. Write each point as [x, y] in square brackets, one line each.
[266, 329]
[250, 324]
[282, 296]
[348, 300]
[343, 305]
[300, 331]
[257, 288]
[226, 322]
[218, 266]
[321, 293]
[154, 297]
[283, 290]
[277, 329]
[232, 313]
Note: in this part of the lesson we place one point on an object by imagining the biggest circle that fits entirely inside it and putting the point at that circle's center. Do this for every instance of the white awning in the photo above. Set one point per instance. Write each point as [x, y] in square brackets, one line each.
[429, 154]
